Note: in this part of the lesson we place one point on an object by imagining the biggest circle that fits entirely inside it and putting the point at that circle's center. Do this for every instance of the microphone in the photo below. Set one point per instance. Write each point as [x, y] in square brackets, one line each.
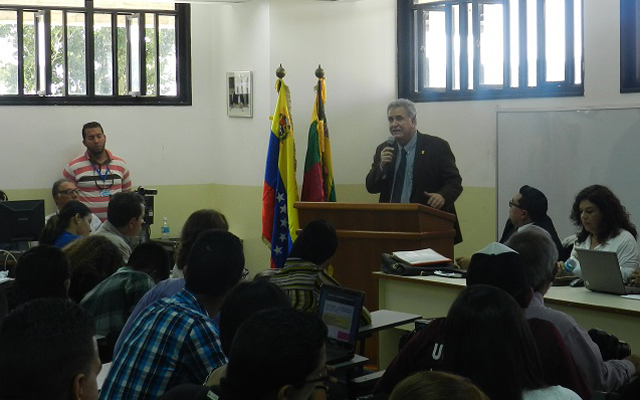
[391, 141]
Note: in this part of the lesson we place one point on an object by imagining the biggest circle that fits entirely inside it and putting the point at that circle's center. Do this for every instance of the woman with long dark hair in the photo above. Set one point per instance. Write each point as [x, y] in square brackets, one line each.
[604, 224]
[488, 340]
[72, 222]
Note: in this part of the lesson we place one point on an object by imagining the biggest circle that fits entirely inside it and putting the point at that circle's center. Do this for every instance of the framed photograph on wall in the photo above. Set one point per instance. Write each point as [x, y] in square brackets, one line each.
[239, 94]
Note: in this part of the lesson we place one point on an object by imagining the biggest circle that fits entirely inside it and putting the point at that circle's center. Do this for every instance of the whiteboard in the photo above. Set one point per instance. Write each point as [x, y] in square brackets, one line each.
[561, 152]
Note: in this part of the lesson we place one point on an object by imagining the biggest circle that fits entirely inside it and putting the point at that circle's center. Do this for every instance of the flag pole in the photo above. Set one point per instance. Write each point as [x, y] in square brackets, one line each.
[279, 217]
[280, 73]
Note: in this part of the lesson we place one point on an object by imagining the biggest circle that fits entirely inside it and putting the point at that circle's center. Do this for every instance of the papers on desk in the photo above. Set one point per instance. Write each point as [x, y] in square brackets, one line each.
[420, 257]
[631, 296]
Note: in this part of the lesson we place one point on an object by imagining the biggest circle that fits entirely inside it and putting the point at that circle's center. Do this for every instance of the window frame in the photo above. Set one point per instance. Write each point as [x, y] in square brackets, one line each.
[411, 67]
[629, 65]
[182, 15]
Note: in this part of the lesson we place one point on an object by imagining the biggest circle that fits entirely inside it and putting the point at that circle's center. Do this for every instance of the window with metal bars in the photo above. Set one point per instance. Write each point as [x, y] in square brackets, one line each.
[488, 49]
[629, 46]
[94, 53]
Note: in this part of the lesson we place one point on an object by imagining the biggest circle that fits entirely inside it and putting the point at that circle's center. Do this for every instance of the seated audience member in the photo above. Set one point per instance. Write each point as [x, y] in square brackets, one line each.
[125, 215]
[112, 300]
[604, 225]
[91, 260]
[174, 341]
[538, 255]
[501, 267]
[73, 222]
[304, 272]
[42, 271]
[197, 223]
[48, 351]
[528, 208]
[243, 301]
[63, 191]
[435, 385]
[276, 354]
[487, 339]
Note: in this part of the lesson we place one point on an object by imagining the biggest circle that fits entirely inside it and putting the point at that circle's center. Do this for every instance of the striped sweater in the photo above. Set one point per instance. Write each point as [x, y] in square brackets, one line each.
[98, 182]
[302, 282]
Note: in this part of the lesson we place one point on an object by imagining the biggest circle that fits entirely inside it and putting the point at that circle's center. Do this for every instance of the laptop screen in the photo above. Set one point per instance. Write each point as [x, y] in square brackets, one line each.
[340, 310]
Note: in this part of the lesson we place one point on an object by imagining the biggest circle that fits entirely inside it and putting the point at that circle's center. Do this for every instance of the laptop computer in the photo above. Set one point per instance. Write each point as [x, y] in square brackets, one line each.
[601, 272]
[340, 310]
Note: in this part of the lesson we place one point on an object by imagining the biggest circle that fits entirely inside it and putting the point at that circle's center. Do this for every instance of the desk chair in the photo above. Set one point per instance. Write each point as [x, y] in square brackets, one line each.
[362, 385]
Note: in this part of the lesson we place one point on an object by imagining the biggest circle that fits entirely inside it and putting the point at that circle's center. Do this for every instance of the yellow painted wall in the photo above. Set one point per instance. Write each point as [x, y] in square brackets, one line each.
[242, 207]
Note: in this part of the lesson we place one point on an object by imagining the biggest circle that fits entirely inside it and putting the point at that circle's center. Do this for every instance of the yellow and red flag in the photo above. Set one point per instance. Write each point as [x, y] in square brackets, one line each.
[318, 184]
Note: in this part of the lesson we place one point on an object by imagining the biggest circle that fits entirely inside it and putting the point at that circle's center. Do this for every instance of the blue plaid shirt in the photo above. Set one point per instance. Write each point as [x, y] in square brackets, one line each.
[173, 341]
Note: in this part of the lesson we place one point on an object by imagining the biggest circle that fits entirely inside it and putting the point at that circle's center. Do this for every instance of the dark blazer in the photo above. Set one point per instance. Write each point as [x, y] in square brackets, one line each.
[434, 171]
[545, 223]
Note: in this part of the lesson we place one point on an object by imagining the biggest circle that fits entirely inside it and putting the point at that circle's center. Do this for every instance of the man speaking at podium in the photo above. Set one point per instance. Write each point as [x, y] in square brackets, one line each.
[412, 167]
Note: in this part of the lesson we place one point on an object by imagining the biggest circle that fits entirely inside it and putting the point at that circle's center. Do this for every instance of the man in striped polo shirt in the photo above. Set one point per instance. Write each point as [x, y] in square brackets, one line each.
[97, 173]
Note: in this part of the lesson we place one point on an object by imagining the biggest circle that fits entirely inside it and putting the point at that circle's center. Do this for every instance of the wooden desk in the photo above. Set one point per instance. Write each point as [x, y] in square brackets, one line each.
[431, 296]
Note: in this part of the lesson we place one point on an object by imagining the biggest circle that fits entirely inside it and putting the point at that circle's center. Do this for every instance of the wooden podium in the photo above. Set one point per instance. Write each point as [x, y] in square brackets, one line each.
[367, 230]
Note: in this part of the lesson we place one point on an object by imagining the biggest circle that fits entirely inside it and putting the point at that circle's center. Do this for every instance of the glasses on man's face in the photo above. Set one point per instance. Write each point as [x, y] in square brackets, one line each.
[323, 377]
[69, 192]
[512, 204]
[245, 273]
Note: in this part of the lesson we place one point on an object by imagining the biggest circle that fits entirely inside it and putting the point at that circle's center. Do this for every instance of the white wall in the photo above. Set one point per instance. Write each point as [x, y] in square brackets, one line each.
[356, 44]
[162, 145]
[240, 42]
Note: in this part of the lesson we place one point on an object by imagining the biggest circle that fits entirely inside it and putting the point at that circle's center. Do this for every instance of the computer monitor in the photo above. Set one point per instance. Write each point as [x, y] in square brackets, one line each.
[21, 220]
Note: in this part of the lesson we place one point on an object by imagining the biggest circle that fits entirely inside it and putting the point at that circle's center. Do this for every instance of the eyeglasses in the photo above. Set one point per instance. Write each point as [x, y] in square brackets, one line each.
[323, 377]
[245, 273]
[68, 192]
[512, 204]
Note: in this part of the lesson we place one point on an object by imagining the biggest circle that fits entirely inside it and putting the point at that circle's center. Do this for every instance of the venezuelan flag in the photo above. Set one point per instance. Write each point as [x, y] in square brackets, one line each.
[318, 184]
[280, 190]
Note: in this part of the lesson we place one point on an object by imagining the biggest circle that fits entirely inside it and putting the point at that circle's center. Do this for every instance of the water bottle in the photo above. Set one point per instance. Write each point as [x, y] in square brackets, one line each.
[570, 264]
[164, 235]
